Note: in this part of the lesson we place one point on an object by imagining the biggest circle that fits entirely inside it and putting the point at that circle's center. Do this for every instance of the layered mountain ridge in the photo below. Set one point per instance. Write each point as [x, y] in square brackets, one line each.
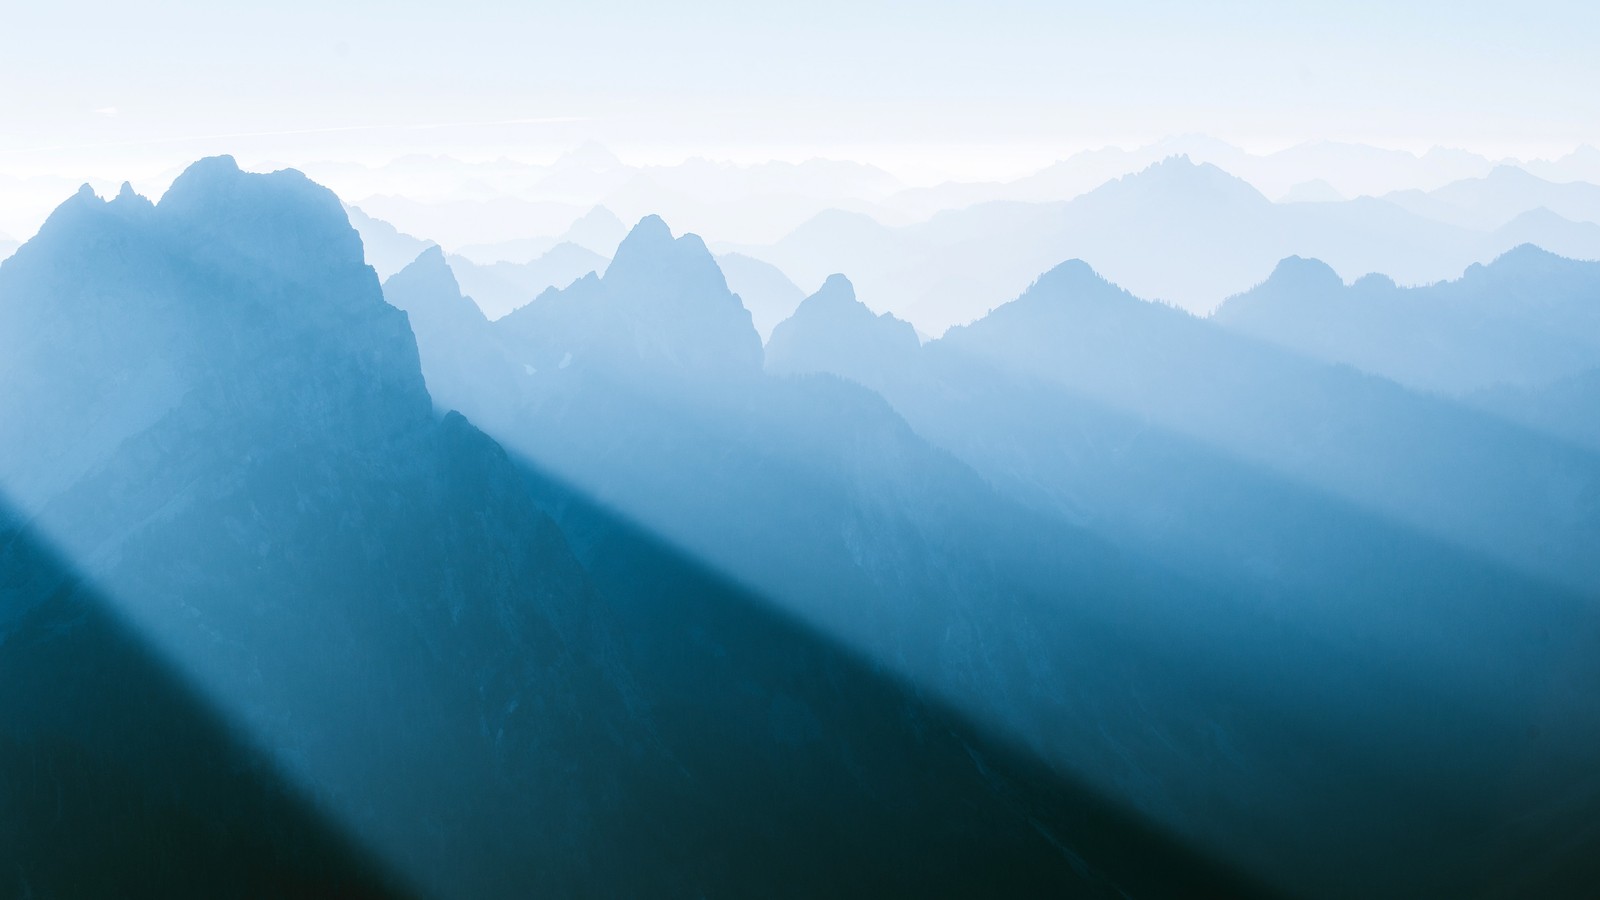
[1090, 595]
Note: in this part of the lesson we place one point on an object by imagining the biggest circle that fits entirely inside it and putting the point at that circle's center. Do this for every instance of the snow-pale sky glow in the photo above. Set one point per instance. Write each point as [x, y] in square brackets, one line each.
[966, 89]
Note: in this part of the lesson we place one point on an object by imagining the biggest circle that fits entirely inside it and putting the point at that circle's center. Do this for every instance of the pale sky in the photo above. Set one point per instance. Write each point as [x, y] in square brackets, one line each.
[1002, 84]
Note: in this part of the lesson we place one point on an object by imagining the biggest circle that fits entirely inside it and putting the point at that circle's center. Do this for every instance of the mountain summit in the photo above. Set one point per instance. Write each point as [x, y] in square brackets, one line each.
[662, 304]
[834, 332]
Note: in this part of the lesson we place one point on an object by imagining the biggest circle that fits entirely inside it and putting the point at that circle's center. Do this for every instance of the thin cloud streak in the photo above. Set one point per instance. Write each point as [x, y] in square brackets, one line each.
[337, 129]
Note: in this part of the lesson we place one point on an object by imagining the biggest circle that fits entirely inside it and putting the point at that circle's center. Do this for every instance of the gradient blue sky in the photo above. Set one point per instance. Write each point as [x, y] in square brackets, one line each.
[97, 83]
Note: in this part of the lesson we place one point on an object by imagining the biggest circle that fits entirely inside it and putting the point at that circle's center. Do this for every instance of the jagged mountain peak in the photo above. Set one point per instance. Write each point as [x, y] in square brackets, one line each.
[651, 259]
[834, 332]
[662, 303]
[1294, 280]
[429, 272]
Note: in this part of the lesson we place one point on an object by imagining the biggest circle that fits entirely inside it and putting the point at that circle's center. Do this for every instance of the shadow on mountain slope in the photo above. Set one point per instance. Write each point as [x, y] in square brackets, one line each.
[886, 789]
[120, 781]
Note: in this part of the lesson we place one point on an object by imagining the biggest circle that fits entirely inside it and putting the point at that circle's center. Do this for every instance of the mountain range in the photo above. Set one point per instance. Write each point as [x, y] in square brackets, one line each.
[1187, 233]
[318, 563]
[474, 678]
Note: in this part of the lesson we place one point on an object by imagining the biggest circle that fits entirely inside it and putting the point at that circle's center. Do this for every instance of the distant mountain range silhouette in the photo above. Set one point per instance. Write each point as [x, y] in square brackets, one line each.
[1186, 233]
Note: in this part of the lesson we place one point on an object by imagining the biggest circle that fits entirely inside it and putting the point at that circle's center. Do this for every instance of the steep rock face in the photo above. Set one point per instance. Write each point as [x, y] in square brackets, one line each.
[463, 361]
[769, 294]
[387, 248]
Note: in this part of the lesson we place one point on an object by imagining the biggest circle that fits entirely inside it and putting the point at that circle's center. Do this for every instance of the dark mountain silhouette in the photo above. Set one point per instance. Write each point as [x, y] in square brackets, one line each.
[596, 232]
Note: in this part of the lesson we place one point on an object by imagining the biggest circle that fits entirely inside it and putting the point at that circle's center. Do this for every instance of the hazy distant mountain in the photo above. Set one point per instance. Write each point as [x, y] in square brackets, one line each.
[7, 246]
[835, 333]
[501, 287]
[456, 223]
[767, 293]
[599, 231]
[1344, 169]
[517, 250]
[1582, 164]
[493, 211]
[1499, 197]
[1526, 319]
[1548, 231]
[388, 250]
[662, 303]
[1189, 234]
[1313, 191]
[466, 368]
